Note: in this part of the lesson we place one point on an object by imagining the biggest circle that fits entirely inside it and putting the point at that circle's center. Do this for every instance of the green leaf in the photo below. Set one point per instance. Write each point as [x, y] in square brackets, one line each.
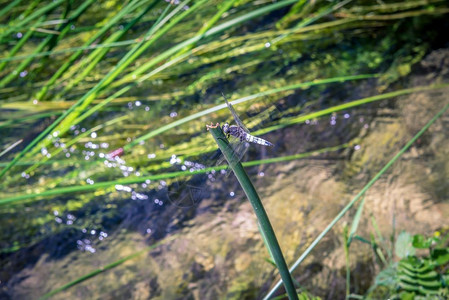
[421, 242]
[440, 256]
[387, 277]
[403, 246]
[407, 296]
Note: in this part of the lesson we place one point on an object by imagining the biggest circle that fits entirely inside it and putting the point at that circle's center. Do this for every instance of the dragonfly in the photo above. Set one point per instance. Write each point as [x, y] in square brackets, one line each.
[239, 143]
[241, 134]
[240, 131]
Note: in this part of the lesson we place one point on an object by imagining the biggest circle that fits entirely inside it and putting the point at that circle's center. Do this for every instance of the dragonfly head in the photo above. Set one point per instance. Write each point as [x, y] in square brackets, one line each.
[225, 128]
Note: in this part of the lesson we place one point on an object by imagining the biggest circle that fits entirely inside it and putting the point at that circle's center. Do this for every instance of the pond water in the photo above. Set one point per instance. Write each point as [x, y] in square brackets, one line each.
[125, 225]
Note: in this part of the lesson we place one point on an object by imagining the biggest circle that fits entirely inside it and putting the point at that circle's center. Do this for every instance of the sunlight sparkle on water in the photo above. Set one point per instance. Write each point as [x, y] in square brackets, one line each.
[84, 245]
[44, 151]
[102, 235]
[138, 196]
[90, 145]
[194, 166]
[174, 160]
[120, 187]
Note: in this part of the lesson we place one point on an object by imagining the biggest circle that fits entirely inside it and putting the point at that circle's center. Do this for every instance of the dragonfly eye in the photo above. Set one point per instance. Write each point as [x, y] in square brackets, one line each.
[226, 128]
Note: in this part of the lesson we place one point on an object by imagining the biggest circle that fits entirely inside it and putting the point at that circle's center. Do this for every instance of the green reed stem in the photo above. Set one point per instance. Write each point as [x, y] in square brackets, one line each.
[8, 7]
[50, 41]
[36, 14]
[244, 99]
[151, 36]
[88, 97]
[70, 61]
[64, 121]
[88, 64]
[28, 118]
[22, 41]
[259, 210]
[217, 29]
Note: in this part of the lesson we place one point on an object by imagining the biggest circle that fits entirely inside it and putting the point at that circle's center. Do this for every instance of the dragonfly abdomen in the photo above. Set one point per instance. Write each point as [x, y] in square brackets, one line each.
[253, 139]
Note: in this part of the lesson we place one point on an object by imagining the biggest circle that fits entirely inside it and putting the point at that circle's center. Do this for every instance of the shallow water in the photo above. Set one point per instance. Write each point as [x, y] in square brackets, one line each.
[213, 249]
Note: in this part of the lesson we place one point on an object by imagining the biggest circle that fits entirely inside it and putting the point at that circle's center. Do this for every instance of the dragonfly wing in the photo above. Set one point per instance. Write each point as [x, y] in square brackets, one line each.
[239, 149]
[234, 143]
[234, 114]
[189, 190]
